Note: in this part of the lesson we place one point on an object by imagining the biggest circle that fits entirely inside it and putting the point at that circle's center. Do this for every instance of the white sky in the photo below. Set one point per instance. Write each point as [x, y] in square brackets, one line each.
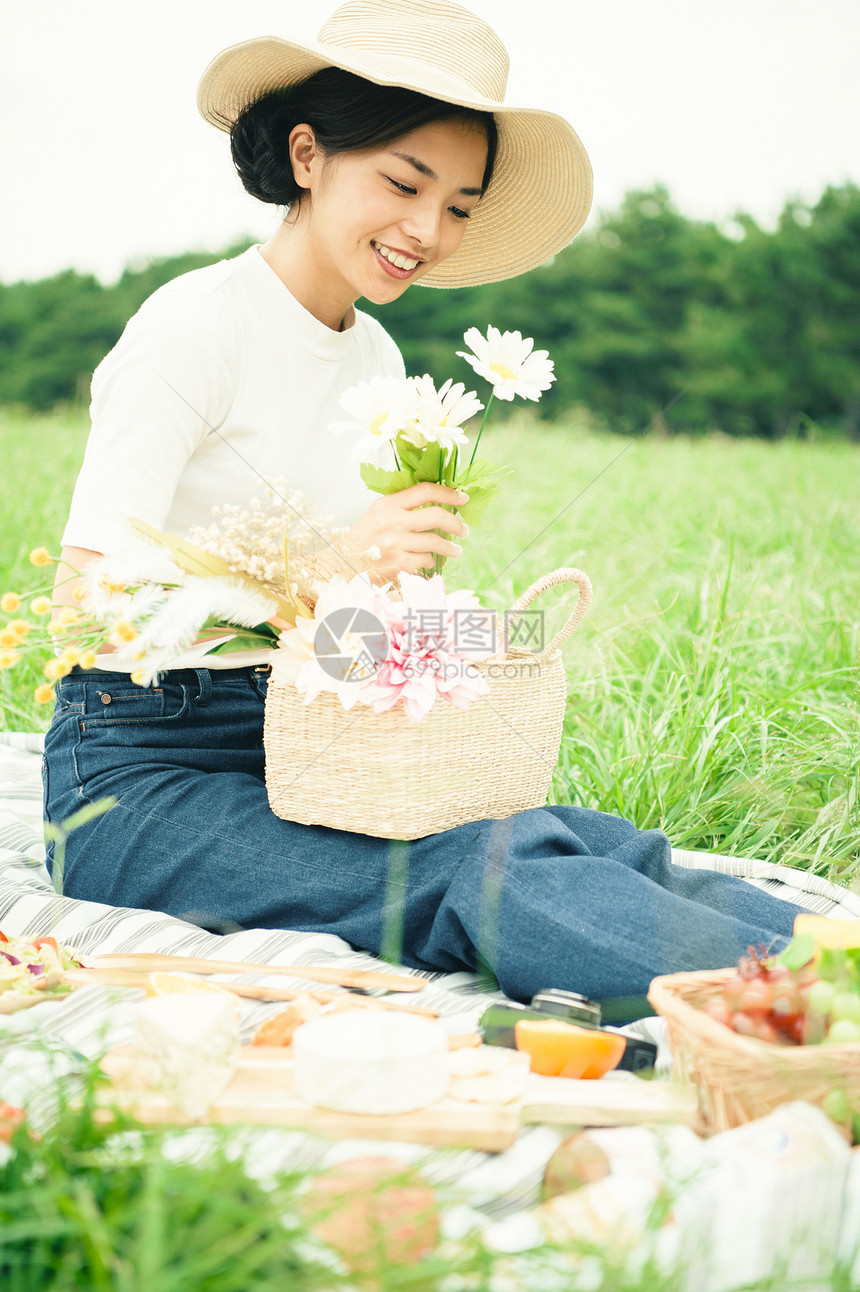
[733, 104]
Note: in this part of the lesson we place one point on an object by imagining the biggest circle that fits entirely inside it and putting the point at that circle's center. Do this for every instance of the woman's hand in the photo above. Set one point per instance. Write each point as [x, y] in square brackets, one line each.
[402, 526]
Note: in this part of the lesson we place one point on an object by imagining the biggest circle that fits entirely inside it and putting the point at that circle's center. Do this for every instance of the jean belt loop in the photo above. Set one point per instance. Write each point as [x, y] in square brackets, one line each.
[204, 685]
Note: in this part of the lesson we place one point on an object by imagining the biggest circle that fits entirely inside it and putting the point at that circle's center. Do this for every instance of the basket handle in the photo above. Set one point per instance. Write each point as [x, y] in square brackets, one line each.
[566, 574]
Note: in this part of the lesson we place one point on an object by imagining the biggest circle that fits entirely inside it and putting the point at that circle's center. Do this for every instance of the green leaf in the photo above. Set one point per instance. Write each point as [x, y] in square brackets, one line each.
[481, 481]
[409, 454]
[799, 952]
[430, 461]
[385, 482]
[260, 637]
[266, 630]
[242, 641]
[479, 498]
[482, 471]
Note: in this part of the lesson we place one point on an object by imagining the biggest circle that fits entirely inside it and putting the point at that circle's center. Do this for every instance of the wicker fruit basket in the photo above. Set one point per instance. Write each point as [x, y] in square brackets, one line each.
[387, 776]
[739, 1078]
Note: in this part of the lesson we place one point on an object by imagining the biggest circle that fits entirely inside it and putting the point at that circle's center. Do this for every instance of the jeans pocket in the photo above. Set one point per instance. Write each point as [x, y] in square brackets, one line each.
[123, 725]
[122, 702]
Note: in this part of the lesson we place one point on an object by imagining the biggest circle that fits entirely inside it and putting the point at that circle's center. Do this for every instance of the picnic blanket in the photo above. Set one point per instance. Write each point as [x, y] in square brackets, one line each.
[95, 1018]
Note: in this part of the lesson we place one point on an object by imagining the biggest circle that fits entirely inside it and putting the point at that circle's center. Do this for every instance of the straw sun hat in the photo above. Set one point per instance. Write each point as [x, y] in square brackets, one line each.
[540, 193]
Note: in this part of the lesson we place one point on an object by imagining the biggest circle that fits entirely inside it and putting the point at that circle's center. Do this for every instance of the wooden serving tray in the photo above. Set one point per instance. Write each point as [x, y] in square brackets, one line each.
[261, 1092]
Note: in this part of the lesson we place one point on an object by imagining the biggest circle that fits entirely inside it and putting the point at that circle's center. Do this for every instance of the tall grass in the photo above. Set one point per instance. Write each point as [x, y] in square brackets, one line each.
[714, 684]
[41, 458]
[97, 1203]
[713, 687]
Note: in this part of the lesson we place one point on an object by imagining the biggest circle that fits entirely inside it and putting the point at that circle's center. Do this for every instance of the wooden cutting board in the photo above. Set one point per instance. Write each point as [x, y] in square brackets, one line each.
[261, 1092]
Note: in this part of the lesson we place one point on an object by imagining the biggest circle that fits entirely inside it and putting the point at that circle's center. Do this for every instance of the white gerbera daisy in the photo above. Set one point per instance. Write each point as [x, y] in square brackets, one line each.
[314, 656]
[379, 409]
[440, 414]
[509, 362]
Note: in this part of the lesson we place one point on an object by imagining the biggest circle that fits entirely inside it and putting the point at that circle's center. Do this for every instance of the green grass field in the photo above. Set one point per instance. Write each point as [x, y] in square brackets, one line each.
[713, 692]
[714, 684]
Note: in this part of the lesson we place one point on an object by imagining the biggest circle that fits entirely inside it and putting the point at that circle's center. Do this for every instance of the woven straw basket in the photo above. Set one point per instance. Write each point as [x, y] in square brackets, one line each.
[739, 1078]
[386, 775]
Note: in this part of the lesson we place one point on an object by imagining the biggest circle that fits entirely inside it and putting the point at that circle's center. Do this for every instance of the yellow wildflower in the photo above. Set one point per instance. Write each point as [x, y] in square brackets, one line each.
[40, 556]
[8, 638]
[41, 605]
[71, 656]
[8, 658]
[10, 602]
[80, 592]
[67, 616]
[20, 627]
[123, 631]
[56, 668]
[108, 585]
[43, 694]
[137, 677]
[88, 659]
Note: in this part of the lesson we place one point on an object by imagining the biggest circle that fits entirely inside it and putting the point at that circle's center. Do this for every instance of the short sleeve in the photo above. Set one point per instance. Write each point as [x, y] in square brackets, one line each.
[165, 386]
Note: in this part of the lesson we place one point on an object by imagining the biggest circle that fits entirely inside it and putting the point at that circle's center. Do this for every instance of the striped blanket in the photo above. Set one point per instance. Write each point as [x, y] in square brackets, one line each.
[95, 1017]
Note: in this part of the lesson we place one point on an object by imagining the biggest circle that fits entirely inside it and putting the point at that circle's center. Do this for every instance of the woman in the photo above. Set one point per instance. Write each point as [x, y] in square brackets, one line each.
[389, 143]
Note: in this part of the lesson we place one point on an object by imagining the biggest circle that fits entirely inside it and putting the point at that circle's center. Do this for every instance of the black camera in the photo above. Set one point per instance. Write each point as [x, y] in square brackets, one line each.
[497, 1024]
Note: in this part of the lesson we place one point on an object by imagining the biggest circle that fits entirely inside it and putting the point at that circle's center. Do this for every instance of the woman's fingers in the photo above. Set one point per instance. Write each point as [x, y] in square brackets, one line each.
[427, 518]
[404, 525]
[431, 543]
[428, 491]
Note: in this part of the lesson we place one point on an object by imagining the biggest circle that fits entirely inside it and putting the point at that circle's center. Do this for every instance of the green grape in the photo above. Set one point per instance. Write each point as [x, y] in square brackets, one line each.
[846, 1004]
[831, 962]
[821, 996]
[843, 1032]
[836, 1106]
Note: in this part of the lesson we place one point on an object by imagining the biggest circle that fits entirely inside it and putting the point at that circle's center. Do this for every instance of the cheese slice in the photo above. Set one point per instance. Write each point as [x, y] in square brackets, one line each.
[188, 1047]
[488, 1075]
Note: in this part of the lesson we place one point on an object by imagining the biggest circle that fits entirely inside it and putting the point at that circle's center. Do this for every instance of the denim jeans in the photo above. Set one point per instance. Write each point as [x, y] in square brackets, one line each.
[551, 897]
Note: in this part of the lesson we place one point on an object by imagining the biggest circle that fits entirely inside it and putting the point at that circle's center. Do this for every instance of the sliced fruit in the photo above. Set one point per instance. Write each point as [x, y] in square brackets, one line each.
[832, 935]
[559, 1049]
[171, 984]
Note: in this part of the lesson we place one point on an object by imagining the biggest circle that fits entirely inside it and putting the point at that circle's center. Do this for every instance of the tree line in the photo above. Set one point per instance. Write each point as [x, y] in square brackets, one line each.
[652, 319]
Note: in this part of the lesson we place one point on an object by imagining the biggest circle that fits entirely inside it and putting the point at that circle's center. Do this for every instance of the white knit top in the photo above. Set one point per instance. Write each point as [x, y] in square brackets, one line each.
[222, 377]
[220, 381]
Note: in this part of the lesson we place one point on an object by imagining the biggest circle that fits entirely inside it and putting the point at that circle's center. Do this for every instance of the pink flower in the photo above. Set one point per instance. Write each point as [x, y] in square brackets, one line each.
[427, 656]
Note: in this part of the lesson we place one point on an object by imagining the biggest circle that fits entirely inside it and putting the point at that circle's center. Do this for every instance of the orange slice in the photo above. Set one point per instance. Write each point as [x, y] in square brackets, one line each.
[559, 1049]
[171, 984]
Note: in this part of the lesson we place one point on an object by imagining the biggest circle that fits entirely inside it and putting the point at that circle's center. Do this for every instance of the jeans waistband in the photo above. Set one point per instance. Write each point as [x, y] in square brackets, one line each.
[180, 676]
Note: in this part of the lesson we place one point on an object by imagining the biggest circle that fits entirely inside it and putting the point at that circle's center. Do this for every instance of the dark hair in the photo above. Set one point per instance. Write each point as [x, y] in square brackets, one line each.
[347, 113]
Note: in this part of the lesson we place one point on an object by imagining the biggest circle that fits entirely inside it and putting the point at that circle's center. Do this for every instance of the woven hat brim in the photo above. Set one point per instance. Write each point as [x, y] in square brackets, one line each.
[542, 186]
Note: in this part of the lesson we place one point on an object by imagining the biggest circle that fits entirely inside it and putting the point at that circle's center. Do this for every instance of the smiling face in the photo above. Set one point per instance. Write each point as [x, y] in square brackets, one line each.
[374, 221]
